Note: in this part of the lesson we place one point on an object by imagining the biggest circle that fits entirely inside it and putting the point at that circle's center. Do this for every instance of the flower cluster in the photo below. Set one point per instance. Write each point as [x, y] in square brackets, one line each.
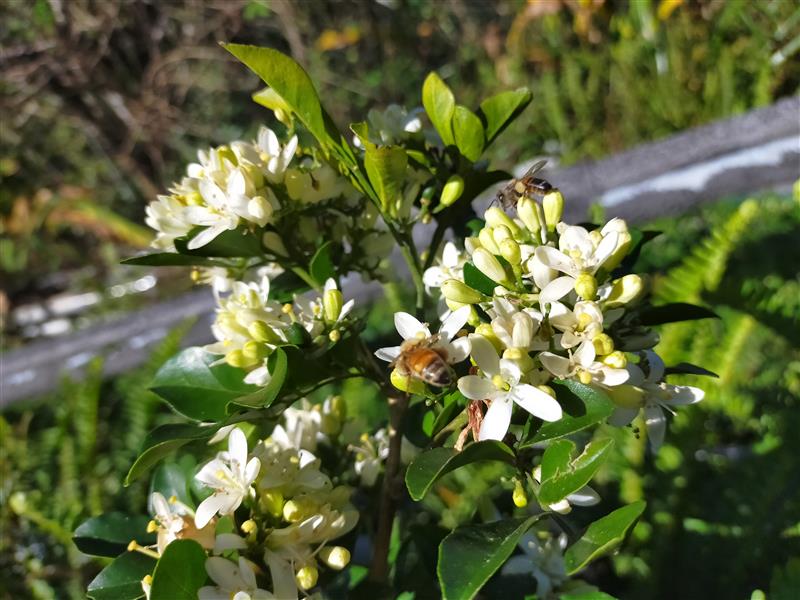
[544, 297]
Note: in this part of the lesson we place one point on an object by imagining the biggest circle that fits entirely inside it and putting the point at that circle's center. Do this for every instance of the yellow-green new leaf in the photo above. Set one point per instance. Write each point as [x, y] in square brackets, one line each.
[468, 132]
[440, 104]
[386, 170]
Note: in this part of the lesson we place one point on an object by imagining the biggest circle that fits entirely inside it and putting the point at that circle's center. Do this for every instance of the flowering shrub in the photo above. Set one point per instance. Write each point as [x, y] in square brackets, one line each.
[544, 337]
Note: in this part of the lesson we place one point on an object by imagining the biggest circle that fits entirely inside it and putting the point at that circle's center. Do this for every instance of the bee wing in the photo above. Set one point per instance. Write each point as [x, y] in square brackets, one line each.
[535, 168]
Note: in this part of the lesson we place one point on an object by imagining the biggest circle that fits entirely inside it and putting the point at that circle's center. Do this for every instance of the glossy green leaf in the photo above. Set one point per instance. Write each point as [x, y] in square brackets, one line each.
[562, 475]
[321, 265]
[685, 368]
[603, 536]
[170, 259]
[292, 84]
[109, 534]
[386, 170]
[470, 555]
[499, 111]
[180, 572]
[475, 279]
[278, 366]
[453, 405]
[233, 243]
[162, 441]
[173, 478]
[196, 389]
[122, 579]
[671, 313]
[583, 407]
[430, 465]
[440, 105]
[586, 594]
[468, 132]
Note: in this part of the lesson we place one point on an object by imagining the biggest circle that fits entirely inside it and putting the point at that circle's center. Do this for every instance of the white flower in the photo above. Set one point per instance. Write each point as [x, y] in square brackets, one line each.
[173, 520]
[316, 313]
[277, 159]
[581, 365]
[450, 266]
[410, 328]
[500, 384]
[233, 582]
[586, 496]
[370, 455]
[392, 125]
[657, 396]
[543, 560]
[516, 328]
[293, 471]
[301, 428]
[582, 323]
[167, 215]
[579, 252]
[230, 475]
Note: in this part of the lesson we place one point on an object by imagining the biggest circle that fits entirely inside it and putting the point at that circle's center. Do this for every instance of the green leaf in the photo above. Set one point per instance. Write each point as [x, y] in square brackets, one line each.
[170, 259]
[196, 389]
[278, 366]
[110, 533]
[475, 279]
[468, 132]
[453, 405]
[180, 571]
[566, 475]
[498, 111]
[470, 555]
[174, 479]
[586, 594]
[162, 441]
[292, 84]
[440, 105]
[602, 536]
[386, 170]
[671, 313]
[234, 243]
[685, 368]
[361, 131]
[321, 265]
[430, 465]
[583, 407]
[122, 579]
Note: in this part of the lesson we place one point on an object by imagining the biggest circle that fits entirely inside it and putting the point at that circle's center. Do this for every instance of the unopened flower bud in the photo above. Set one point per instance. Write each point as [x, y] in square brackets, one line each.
[338, 407]
[332, 301]
[519, 496]
[626, 396]
[407, 383]
[530, 213]
[509, 249]
[623, 242]
[306, 577]
[452, 190]
[489, 265]
[625, 290]
[272, 502]
[547, 390]
[261, 332]
[586, 286]
[603, 344]
[486, 239]
[553, 206]
[235, 358]
[273, 242]
[485, 330]
[249, 526]
[500, 233]
[152, 526]
[616, 360]
[330, 424]
[495, 217]
[336, 557]
[299, 508]
[253, 352]
[260, 208]
[584, 377]
[458, 291]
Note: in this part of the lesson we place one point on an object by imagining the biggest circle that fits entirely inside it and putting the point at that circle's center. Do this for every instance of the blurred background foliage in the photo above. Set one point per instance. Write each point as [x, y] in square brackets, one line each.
[102, 104]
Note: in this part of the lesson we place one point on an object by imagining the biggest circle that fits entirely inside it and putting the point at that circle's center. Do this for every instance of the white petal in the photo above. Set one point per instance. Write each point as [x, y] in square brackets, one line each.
[655, 366]
[536, 402]
[635, 374]
[160, 506]
[622, 416]
[212, 194]
[555, 259]
[251, 470]
[557, 289]
[247, 575]
[434, 277]
[269, 141]
[557, 365]
[259, 376]
[209, 592]
[409, 326]
[237, 447]
[518, 565]
[207, 509]
[283, 585]
[224, 573]
[684, 394]
[228, 541]
[346, 308]
[288, 151]
[454, 322]
[606, 248]
[497, 419]
[585, 354]
[656, 426]
[476, 388]
[237, 183]
[206, 236]
[450, 255]
[585, 496]
[485, 355]
[613, 377]
[208, 473]
[388, 354]
[459, 350]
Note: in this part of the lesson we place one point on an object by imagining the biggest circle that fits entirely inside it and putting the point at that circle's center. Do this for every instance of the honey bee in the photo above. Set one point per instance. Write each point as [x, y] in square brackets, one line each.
[527, 185]
[423, 360]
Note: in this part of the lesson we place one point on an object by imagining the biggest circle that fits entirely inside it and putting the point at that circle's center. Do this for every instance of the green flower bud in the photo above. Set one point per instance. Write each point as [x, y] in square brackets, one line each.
[273, 242]
[624, 290]
[530, 213]
[519, 496]
[489, 265]
[407, 383]
[330, 424]
[553, 205]
[452, 190]
[253, 175]
[337, 407]
[299, 508]
[495, 217]
[486, 239]
[235, 358]
[272, 502]
[509, 249]
[485, 330]
[626, 396]
[336, 557]
[261, 332]
[332, 301]
[547, 390]
[458, 291]
[306, 577]
[586, 286]
[603, 344]
[500, 233]
[253, 352]
[616, 360]
[623, 243]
